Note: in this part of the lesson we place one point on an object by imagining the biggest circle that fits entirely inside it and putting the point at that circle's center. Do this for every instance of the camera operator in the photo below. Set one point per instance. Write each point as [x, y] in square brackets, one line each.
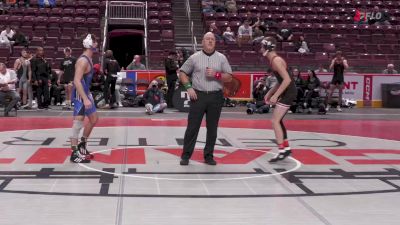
[154, 99]
[259, 106]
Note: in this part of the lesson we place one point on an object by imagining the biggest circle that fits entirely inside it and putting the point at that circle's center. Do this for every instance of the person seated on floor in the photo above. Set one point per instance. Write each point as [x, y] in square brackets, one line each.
[154, 99]
[8, 79]
[259, 105]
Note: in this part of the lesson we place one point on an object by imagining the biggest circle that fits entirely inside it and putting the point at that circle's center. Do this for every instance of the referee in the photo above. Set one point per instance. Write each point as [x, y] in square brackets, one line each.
[203, 75]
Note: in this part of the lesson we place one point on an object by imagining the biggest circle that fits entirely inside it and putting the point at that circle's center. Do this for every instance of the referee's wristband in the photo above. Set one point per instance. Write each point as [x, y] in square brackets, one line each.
[218, 75]
[187, 86]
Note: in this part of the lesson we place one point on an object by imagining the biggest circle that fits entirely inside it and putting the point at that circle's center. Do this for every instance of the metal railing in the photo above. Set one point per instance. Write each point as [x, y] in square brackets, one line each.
[191, 26]
[146, 52]
[195, 45]
[105, 33]
[127, 10]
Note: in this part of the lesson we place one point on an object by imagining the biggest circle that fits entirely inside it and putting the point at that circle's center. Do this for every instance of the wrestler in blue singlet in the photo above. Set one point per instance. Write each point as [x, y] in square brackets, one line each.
[79, 107]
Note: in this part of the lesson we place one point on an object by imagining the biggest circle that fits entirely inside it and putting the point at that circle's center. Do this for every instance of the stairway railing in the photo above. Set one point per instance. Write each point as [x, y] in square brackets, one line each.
[127, 10]
[146, 52]
[105, 30]
[191, 26]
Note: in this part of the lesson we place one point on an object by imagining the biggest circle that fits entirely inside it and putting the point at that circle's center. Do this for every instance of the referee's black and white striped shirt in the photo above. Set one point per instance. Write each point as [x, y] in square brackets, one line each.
[196, 67]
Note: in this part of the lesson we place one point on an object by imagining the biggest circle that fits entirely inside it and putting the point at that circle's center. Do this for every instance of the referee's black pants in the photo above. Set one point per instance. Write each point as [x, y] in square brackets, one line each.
[209, 103]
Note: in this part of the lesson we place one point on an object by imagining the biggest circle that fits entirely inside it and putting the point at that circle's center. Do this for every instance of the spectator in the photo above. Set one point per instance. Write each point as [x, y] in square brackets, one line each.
[55, 88]
[300, 84]
[256, 21]
[378, 17]
[302, 45]
[19, 39]
[16, 3]
[390, 70]
[8, 79]
[230, 5]
[9, 3]
[270, 80]
[6, 37]
[321, 69]
[180, 57]
[47, 3]
[66, 78]
[2, 6]
[245, 33]
[216, 31]
[360, 16]
[26, 3]
[219, 6]
[266, 24]
[312, 89]
[171, 67]
[154, 99]
[111, 69]
[41, 72]
[285, 33]
[97, 80]
[22, 66]
[229, 35]
[207, 6]
[259, 106]
[258, 35]
[136, 64]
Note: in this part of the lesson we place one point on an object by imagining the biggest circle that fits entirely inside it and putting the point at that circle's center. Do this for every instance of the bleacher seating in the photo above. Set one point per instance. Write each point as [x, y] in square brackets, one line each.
[160, 31]
[327, 26]
[53, 28]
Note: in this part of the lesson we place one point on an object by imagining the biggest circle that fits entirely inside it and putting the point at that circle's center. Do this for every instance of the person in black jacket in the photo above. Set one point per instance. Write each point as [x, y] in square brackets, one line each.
[111, 69]
[41, 71]
[171, 66]
[19, 39]
[66, 77]
[312, 89]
